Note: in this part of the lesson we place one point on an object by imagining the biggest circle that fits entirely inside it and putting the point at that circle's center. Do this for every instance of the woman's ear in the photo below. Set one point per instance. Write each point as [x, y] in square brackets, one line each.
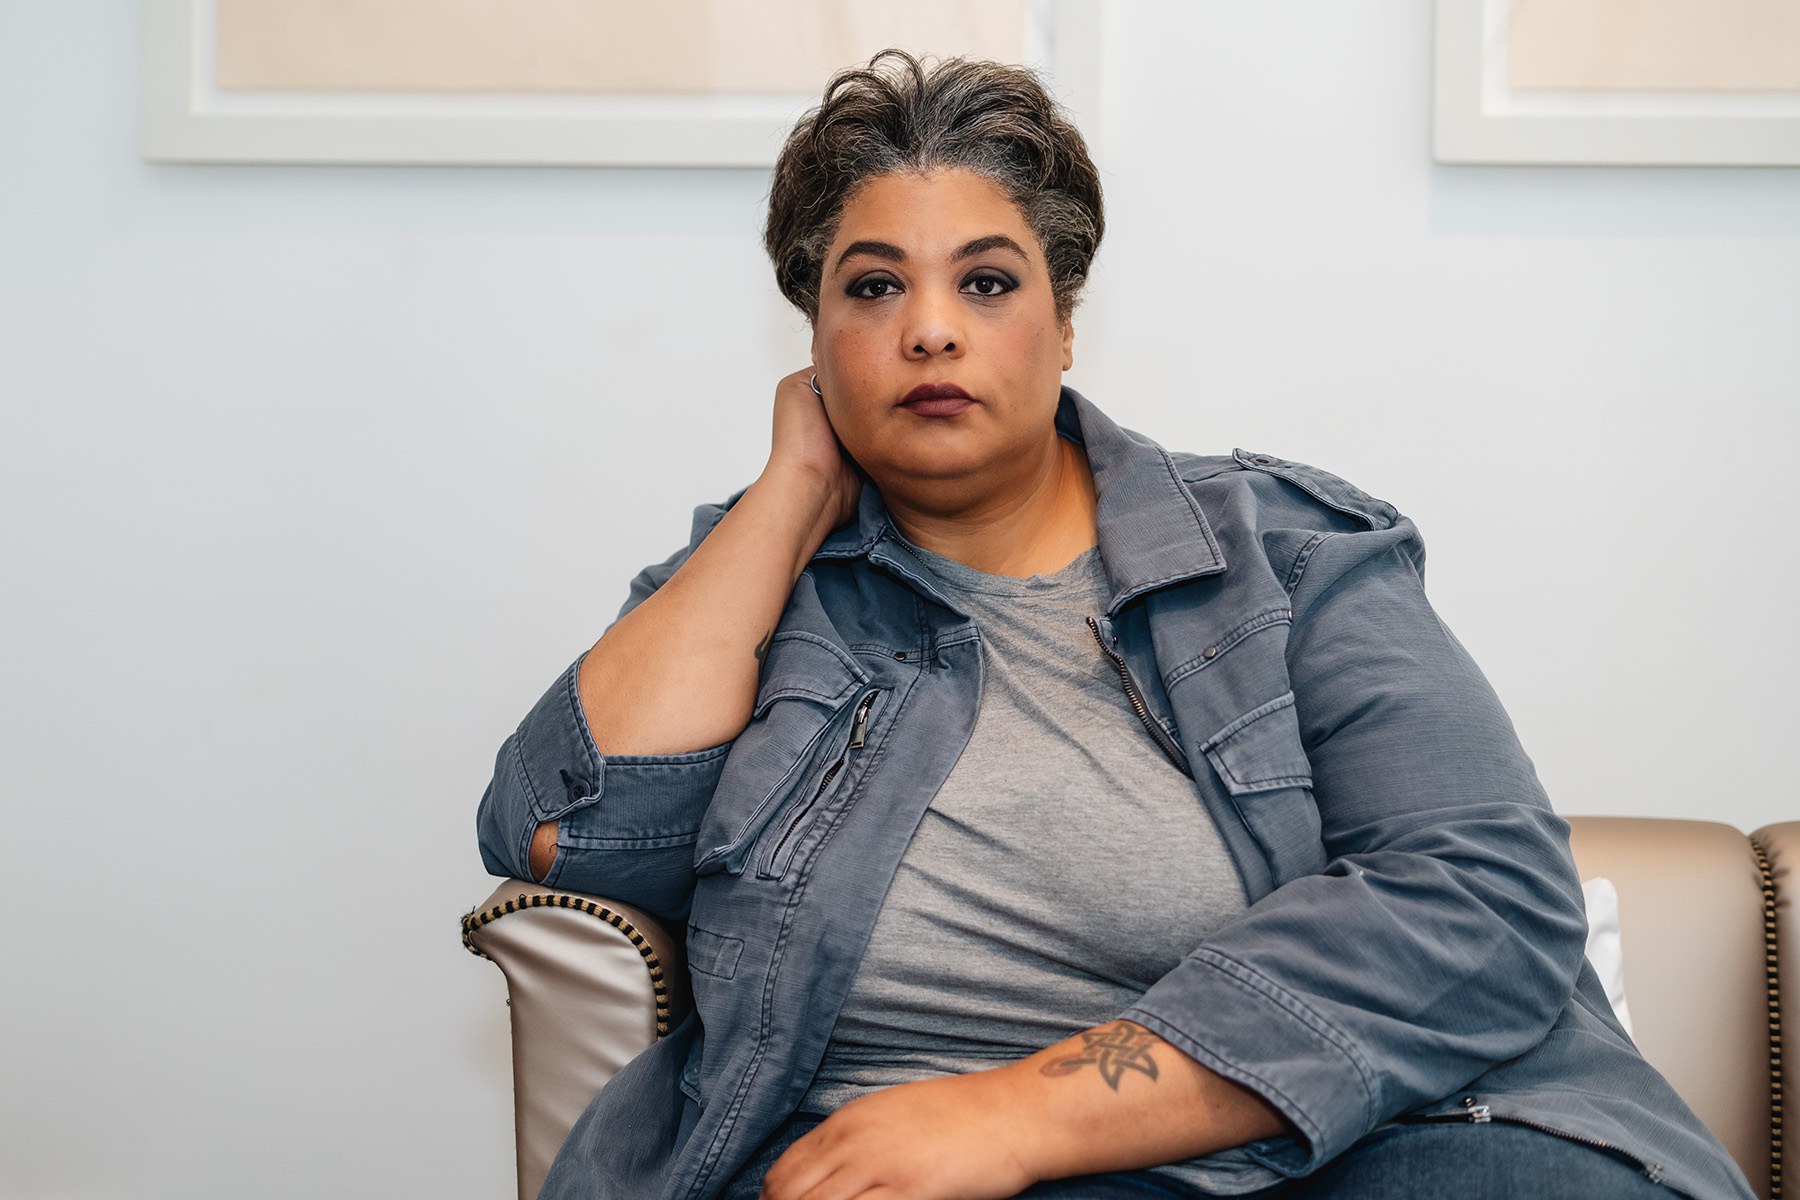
[1068, 341]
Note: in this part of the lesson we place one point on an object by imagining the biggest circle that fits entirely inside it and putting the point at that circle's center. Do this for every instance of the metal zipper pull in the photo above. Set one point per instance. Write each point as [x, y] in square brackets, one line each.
[1481, 1114]
[860, 729]
[773, 866]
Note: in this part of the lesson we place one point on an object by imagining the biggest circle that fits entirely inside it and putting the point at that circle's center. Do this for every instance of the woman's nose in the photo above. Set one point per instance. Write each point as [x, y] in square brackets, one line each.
[933, 331]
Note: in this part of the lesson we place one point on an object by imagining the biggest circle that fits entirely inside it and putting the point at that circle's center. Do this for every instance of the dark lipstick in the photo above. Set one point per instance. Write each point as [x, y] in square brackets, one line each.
[936, 400]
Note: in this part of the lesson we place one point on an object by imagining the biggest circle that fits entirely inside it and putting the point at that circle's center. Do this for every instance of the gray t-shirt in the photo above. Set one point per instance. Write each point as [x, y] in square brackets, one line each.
[1063, 868]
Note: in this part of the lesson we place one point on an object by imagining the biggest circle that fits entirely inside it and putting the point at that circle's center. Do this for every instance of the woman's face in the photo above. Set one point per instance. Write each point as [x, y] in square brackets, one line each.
[938, 346]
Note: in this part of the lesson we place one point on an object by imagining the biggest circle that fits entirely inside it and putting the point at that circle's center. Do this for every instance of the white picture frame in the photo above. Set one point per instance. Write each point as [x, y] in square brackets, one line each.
[187, 119]
[1478, 118]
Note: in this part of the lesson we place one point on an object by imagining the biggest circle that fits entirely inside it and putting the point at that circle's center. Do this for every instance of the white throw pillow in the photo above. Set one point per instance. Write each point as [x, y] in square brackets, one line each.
[1604, 949]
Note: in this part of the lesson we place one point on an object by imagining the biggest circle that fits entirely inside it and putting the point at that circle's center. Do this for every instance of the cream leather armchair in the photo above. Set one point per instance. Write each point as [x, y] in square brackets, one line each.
[1704, 916]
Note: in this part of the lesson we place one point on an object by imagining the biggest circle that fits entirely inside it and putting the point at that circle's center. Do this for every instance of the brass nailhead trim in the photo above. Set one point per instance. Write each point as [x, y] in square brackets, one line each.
[659, 985]
[1772, 964]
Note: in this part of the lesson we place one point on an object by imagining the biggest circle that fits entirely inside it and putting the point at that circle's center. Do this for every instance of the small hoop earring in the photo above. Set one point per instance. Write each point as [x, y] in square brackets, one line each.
[814, 384]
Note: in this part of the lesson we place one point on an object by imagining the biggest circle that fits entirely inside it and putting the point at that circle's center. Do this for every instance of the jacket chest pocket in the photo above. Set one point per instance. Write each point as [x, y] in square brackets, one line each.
[787, 832]
[1261, 751]
[806, 710]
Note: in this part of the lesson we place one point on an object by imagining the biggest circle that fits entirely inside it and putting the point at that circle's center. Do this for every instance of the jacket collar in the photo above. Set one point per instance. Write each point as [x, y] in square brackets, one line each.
[1152, 532]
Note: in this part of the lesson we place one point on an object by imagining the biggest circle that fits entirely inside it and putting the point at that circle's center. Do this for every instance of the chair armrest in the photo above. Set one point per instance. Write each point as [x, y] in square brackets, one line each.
[1696, 967]
[590, 983]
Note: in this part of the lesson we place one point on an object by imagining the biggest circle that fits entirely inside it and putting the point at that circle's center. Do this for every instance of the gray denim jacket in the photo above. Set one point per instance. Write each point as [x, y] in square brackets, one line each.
[1412, 948]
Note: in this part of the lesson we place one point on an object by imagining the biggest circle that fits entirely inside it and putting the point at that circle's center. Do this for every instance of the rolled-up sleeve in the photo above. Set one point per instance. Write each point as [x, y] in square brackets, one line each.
[1445, 932]
[626, 824]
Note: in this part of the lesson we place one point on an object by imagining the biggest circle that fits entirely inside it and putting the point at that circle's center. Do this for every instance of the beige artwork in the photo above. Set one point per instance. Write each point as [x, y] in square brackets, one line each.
[590, 46]
[1654, 45]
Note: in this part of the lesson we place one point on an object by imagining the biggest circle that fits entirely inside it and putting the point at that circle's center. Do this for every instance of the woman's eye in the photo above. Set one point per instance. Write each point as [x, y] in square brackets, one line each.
[988, 285]
[873, 289]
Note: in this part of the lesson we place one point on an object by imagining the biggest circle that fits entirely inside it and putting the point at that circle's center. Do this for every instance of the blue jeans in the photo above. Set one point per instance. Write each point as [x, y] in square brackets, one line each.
[1404, 1162]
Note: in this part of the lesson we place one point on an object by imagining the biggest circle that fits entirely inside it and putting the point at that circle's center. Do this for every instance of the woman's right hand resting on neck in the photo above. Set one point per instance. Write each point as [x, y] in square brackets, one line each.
[679, 672]
[804, 442]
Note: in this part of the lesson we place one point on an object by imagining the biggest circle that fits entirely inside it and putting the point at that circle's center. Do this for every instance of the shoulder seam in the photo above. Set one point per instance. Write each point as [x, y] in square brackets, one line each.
[1302, 560]
[1354, 503]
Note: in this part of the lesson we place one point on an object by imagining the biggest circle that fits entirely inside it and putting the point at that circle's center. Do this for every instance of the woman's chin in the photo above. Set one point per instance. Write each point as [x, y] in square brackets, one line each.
[925, 462]
[935, 482]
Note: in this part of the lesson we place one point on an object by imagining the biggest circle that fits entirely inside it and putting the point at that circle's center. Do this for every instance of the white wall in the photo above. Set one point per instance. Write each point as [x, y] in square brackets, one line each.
[312, 479]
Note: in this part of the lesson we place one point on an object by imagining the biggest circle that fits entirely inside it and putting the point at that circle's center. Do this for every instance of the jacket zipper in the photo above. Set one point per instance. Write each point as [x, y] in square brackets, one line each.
[1163, 742]
[859, 732]
[1481, 1114]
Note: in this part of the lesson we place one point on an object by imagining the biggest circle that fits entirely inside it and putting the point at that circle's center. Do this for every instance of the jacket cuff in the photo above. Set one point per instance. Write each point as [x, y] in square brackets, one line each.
[1243, 1025]
[546, 769]
[551, 770]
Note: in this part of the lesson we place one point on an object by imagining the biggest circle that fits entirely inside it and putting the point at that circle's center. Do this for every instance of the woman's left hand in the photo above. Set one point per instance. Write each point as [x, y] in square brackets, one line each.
[941, 1139]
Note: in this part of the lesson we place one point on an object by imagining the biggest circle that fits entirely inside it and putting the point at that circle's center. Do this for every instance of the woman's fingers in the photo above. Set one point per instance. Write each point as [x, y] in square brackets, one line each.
[834, 1161]
[800, 1167]
[804, 440]
[802, 430]
[903, 1143]
[845, 1183]
[878, 1191]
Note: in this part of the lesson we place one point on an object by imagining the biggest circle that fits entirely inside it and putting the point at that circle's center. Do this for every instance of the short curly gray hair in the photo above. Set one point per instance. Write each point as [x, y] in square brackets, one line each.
[895, 114]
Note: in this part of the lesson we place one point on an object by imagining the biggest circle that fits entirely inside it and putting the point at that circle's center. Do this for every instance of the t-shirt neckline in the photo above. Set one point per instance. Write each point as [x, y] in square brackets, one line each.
[1080, 572]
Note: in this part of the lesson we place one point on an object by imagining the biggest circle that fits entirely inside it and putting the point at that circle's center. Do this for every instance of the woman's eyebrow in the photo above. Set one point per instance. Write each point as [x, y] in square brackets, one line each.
[994, 241]
[885, 250]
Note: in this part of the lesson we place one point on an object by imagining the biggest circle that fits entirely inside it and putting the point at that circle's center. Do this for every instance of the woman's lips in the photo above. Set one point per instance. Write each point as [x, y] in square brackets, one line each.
[936, 400]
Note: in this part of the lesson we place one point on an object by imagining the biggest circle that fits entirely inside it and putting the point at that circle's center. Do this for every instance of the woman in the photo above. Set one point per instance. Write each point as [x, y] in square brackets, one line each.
[1053, 815]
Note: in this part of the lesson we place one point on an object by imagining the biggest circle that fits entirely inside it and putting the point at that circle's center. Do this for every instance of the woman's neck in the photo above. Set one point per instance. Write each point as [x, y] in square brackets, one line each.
[1037, 525]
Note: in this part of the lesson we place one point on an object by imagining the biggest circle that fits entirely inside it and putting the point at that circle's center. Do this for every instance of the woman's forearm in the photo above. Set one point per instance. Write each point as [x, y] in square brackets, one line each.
[679, 672]
[1118, 1097]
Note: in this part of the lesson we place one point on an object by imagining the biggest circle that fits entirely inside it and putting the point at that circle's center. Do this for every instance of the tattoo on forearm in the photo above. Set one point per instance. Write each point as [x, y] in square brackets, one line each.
[762, 647]
[1115, 1049]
